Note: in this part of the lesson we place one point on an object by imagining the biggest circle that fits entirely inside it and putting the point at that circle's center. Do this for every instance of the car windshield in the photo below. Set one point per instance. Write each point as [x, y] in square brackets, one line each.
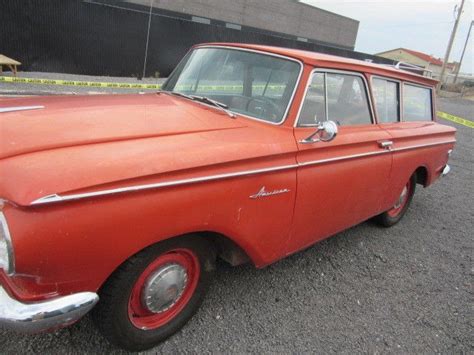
[249, 83]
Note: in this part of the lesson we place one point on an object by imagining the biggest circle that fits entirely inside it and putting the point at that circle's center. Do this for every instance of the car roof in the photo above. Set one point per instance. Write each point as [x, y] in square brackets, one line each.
[331, 61]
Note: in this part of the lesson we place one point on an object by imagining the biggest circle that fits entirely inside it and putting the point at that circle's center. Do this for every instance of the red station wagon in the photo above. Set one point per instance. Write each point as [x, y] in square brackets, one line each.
[120, 205]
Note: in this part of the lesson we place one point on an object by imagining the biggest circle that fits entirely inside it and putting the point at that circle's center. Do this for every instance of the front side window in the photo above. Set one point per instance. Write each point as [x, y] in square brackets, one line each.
[341, 98]
[314, 105]
[417, 105]
[387, 100]
[249, 83]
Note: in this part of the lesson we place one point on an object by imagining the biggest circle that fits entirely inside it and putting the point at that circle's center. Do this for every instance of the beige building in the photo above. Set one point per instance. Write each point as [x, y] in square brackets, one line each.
[422, 60]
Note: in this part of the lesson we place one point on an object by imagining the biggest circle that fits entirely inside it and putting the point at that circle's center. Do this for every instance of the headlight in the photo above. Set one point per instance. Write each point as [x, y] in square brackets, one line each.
[6, 248]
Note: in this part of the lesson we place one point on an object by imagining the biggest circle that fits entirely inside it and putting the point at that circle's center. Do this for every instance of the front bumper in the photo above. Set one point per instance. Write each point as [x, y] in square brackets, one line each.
[46, 315]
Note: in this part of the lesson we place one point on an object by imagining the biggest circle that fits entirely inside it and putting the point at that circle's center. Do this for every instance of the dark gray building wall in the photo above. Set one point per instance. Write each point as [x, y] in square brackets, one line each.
[284, 16]
[109, 37]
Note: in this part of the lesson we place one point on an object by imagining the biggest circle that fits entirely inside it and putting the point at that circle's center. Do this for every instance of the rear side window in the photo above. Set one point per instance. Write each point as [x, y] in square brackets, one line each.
[417, 105]
[341, 98]
[387, 100]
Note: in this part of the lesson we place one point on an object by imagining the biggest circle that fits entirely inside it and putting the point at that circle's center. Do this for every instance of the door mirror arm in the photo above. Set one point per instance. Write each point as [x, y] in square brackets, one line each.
[325, 132]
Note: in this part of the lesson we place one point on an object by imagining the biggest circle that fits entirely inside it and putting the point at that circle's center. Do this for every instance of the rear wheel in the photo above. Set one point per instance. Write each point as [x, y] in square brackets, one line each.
[395, 214]
[154, 293]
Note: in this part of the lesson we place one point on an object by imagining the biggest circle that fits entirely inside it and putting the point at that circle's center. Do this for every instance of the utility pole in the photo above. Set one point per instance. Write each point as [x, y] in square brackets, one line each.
[463, 52]
[148, 37]
[450, 45]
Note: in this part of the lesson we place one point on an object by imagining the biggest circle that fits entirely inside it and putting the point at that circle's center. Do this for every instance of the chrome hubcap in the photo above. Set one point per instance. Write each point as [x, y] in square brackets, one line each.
[164, 288]
[401, 198]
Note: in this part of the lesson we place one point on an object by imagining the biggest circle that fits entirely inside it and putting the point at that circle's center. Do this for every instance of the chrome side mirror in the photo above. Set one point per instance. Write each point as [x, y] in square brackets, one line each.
[325, 132]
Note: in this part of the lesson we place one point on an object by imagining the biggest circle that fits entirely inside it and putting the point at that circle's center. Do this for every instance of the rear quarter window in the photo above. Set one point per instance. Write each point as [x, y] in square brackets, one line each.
[387, 100]
[417, 103]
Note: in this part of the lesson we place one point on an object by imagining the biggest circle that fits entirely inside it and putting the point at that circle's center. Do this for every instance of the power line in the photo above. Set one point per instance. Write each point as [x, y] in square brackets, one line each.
[463, 52]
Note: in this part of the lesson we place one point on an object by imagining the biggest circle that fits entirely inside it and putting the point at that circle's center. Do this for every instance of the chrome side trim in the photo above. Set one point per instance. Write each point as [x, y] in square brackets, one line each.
[347, 157]
[58, 198]
[46, 315]
[422, 146]
[19, 108]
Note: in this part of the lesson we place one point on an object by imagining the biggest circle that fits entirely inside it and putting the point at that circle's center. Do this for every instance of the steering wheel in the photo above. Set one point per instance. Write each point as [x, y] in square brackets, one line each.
[264, 107]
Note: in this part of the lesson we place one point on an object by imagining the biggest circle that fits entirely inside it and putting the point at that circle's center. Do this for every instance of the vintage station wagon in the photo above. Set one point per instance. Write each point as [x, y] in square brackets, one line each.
[120, 205]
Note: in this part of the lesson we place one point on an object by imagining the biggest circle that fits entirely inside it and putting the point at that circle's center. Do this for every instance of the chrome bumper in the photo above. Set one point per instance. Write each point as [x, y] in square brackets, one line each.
[46, 315]
[446, 170]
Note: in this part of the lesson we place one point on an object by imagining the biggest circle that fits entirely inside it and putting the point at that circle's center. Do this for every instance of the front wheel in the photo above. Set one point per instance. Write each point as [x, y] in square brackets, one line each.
[395, 214]
[154, 293]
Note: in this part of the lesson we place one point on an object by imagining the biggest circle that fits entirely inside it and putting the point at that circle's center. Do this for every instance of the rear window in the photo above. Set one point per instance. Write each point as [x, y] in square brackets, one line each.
[417, 104]
[386, 95]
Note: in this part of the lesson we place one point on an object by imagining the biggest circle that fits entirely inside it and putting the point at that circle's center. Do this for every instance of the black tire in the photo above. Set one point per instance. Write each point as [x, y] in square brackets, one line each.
[387, 219]
[111, 315]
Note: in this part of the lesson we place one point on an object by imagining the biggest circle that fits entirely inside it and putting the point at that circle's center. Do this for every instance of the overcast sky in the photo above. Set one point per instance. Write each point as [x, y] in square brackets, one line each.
[422, 25]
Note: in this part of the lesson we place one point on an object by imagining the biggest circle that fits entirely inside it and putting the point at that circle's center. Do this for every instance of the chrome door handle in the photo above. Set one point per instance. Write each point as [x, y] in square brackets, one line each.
[385, 144]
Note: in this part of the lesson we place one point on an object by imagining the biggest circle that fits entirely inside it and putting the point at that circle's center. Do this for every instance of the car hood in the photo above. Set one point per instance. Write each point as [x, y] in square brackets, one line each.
[67, 121]
[93, 142]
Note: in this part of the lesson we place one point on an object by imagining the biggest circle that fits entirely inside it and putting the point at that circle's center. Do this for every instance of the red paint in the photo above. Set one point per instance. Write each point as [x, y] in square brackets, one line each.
[86, 144]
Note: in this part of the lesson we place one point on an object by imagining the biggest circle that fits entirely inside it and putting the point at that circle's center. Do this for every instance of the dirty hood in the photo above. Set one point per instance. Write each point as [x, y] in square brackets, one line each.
[76, 143]
[70, 121]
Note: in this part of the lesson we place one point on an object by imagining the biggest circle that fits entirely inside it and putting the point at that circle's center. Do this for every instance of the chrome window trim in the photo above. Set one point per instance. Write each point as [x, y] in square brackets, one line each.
[58, 198]
[400, 97]
[430, 88]
[8, 238]
[336, 71]
[292, 97]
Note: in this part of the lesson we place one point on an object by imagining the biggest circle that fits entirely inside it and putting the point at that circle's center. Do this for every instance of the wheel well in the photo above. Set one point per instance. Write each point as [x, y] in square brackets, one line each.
[223, 247]
[226, 249]
[422, 176]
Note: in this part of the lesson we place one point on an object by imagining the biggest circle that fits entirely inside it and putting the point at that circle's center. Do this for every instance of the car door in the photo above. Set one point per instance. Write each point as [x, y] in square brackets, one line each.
[405, 111]
[342, 182]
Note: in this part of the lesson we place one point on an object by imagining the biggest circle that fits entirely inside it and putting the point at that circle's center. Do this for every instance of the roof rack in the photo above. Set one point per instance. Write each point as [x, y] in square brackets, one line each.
[412, 68]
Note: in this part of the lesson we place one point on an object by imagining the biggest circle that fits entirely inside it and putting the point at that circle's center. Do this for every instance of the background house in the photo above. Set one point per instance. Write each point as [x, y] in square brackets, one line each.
[423, 60]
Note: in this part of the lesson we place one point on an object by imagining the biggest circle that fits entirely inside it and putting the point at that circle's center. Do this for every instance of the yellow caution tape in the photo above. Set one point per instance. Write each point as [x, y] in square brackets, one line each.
[96, 84]
[92, 84]
[456, 119]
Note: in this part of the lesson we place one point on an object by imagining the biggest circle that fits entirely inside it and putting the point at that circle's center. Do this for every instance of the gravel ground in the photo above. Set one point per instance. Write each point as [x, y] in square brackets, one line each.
[407, 289]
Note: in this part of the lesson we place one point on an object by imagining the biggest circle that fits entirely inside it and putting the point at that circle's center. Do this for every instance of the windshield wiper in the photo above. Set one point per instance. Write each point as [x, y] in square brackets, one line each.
[217, 104]
[175, 93]
[222, 107]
